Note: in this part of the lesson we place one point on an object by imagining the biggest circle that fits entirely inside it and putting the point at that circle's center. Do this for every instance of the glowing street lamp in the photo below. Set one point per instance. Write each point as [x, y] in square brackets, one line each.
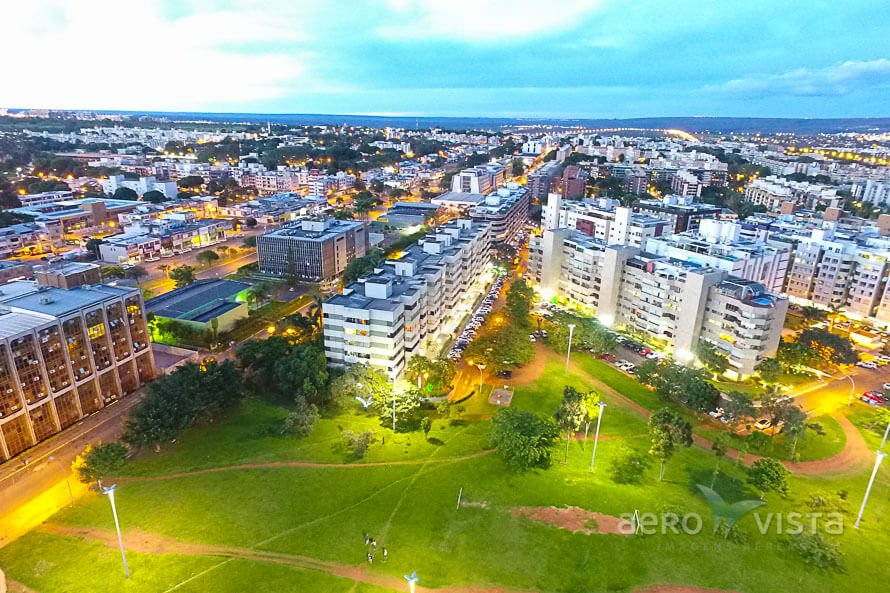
[67, 481]
[569, 351]
[879, 457]
[481, 366]
[109, 491]
[412, 579]
[596, 436]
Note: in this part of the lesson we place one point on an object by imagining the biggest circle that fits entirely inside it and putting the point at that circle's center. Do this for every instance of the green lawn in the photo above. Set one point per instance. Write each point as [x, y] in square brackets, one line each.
[811, 447]
[410, 507]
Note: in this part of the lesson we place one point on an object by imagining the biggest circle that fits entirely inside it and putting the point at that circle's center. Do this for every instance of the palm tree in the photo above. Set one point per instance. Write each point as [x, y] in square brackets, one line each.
[314, 311]
[165, 268]
[258, 292]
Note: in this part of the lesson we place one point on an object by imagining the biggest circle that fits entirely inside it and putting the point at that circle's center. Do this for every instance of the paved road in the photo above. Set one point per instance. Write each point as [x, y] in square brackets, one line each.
[30, 493]
[162, 284]
[835, 393]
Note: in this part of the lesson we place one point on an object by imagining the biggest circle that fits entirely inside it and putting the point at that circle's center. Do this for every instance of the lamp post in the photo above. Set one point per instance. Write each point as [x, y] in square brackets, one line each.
[412, 579]
[879, 457]
[886, 433]
[569, 350]
[109, 491]
[852, 390]
[67, 480]
[596, 436]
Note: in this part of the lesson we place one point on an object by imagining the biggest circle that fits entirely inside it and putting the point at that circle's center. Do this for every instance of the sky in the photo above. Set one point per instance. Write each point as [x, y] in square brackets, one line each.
[475, 58]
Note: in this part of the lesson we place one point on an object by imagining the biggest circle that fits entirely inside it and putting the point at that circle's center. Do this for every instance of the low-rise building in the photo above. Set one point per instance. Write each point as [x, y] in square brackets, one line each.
[203, 305]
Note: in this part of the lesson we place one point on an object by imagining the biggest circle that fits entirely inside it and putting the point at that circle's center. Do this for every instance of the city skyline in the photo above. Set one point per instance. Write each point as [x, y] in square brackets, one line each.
[420, 58]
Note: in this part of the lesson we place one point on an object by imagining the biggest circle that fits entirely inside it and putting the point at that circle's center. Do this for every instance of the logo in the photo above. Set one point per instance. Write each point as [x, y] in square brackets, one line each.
[725, 513]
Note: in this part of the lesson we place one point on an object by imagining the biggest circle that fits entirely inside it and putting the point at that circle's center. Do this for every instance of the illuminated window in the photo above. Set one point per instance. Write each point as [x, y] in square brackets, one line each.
[96, 331]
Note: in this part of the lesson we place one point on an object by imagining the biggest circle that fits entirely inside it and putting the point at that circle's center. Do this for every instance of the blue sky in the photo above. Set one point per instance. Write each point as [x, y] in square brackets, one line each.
[514, 58]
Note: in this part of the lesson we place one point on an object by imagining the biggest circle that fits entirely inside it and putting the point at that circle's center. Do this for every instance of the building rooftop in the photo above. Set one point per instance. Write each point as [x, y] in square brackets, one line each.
[315, 229]
[27, 296]
[200, 301]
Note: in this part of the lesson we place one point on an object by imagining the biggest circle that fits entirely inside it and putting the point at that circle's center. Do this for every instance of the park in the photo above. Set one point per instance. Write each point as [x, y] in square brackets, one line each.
[470, 496]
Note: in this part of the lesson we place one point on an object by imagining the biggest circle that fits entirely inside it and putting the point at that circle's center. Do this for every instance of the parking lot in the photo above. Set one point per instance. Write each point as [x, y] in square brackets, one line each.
[477, 319]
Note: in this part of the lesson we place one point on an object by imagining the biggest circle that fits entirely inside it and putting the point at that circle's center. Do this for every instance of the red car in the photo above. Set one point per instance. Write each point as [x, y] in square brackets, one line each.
[872, 401]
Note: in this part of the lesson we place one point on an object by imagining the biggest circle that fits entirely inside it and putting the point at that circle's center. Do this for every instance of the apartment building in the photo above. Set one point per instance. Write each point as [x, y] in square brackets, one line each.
[774, 191]
[47, 197]
[316, 249]
[684, 183]
[573, 182]
[671, 303]
[479, 180]
[719, 244]
[141, 186]
[839, 271]
[540, 180]
[682, 212]
[65, 354]
[603, 219]
[410, 305]
[152, 240]
[872, 191]
[505, 210]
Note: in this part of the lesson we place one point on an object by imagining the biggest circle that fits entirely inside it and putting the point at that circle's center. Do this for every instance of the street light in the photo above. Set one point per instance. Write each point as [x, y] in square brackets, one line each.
[109, 491]
[879, 457]
[569, 351]
[68, 482]
[481, 366]
[412, 579]
[596, 436]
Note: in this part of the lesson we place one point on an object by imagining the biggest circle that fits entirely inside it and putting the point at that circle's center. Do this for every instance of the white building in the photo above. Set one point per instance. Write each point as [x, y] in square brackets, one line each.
[141, 186]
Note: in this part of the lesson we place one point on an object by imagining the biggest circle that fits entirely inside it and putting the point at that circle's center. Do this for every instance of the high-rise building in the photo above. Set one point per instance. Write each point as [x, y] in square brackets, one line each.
[66, 353]
[505, 210]
[603, 219]
[539, 181]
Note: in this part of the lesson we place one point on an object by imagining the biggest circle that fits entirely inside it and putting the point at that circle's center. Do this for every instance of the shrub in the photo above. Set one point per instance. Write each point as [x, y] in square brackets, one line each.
[628, 466]
[816, 550]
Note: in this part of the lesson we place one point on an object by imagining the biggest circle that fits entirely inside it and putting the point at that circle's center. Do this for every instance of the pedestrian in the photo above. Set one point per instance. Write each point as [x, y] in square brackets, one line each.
[370, 558]
[385, 554]
[374, 544]
[367, 539]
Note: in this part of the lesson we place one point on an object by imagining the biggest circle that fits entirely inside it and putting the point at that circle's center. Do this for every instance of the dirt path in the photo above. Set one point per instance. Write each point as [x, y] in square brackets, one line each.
[277, 464]
[147, 543]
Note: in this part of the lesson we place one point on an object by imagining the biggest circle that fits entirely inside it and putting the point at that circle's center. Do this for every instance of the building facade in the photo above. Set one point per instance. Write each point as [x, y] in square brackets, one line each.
[65, 354]
[315, 249]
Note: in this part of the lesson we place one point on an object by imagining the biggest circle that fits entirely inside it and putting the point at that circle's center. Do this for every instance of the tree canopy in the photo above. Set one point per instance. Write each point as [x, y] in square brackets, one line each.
[522, 439]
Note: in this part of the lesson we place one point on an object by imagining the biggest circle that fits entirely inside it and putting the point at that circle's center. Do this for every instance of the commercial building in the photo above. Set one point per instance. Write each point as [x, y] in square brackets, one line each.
[154, 239]
[65, 354]
[13, 270]
[410, 214]
[719, 244]
[671, 303]
[505, 210]
[479, 180]
[315, 249]
[410, 305]
[202, 302]
[26, 237]
[47, 197]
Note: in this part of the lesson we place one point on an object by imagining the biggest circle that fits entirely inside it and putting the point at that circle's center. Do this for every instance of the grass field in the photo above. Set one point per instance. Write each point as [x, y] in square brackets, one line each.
[409, 504]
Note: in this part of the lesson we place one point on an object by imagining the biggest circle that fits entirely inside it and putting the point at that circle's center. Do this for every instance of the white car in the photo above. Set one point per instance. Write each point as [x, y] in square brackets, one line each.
[886, 386]
[867, 364]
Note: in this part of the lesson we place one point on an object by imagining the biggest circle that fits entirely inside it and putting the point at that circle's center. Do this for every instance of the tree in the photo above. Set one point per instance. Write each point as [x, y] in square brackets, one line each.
[518, 167]
[186, 396]
[183, 275]
[259, 293]
[95, 463]
[796, 426]
[570, 415]
[250, 241]
[154, 197]
[303, 373]
[770, 370]
[357, 443]
[432, 376]
[829, 347]
[207, 257]
[250, 222]
[768, 475]
[192, 182]
[711, 357]
[361, 266]
[426, 425]
[523, 439]
[136, 273]
[93, 244]
[109, 272]
[125, 193]
[301, 421]
[520, 297]
[361, 382]
[668, 431]
[738, 406]
[258, 359]
[719, 446]
[505, 347]
[165, 268]
[813, 314]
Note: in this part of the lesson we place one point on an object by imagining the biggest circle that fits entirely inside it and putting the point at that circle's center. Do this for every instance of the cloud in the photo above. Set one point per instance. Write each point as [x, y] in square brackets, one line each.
[839, 79]
[107, 54]
[481, 21]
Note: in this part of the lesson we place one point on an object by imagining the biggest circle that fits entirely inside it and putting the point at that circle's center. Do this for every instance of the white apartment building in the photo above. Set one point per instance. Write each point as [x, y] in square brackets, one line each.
[505, 210]
[684, 183]
[872, 191]
[141, 186]
[671, 303]
[603, 219]
[47, 197]
[718, 244]
[479, 180]
[832, 271]
[773, 191]
[410, 305]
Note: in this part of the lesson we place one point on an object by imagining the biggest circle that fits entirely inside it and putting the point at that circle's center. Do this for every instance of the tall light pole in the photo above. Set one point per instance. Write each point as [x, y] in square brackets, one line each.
[886, 433]
[596, 436]
[569, 350]
[109, 491]
[68, 481]
[412, 579]
[852, 390]
[481, 366]
[879, 457]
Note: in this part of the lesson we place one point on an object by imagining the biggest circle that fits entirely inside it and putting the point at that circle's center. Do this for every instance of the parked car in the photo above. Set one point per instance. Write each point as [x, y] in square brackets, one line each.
[867, 364]
[505, 374]
[763, 424]
[870, 400]
[886, 386]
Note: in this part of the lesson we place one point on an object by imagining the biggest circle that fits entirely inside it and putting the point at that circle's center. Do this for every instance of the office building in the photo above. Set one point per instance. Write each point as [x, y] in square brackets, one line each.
[479, 180]
[314, 249]
[410, 305]
[65, 354]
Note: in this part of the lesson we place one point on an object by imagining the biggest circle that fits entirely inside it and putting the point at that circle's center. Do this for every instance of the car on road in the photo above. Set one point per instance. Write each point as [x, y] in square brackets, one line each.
[867, 364]
[872, 401]
[505, 374]
[886, 386]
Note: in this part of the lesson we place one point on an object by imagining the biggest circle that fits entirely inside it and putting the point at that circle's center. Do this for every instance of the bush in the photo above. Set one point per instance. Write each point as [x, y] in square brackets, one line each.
[357, 443]
[301, 421]
[100, 461]
[628, 466]
[523, 439]
[816, 550]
